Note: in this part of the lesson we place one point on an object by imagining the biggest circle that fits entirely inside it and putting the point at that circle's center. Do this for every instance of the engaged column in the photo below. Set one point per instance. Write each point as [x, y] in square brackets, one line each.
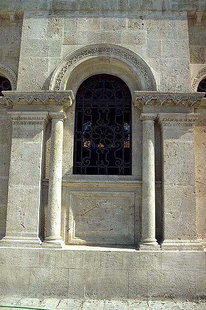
[148, 239]
[53, 222]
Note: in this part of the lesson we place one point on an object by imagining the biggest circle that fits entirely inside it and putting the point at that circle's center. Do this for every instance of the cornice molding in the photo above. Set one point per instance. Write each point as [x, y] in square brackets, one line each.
[45, 98]
[167, 99]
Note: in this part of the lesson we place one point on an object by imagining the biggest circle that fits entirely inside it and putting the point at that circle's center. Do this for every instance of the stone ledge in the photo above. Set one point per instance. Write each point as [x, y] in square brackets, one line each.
[104, 5]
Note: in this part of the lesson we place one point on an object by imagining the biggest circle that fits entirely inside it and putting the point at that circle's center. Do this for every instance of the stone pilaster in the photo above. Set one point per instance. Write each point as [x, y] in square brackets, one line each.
[53, 222]
[179, 181]
[24, 190]
[148, 240]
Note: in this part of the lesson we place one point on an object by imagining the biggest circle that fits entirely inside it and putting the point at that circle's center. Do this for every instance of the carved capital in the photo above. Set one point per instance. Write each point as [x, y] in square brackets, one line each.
[57, 115]
[167, 99]
[45, 98]
[177, 119]
[148, 117]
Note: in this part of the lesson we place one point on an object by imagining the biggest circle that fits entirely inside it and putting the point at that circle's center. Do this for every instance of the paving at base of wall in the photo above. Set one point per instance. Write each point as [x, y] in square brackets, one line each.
[74, 304]
[80, 273]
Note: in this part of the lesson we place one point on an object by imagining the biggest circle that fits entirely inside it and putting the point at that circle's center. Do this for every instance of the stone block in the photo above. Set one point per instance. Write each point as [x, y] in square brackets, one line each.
[115, 305]
[117, 24]
[173, 283]
[72, 259]
[110, 220]
[98, 283]
[190, 261]
[138, 283]
[50, 282]
[66, 304]
[94, 304]
[19, 257]
[23, 220]
[91, 259]
[14, 281]
[113, 260]
[134, 37]
[33, 72]
[50, 258]
[88, 24]
[197, 54]
[201, 284]
[180, 213]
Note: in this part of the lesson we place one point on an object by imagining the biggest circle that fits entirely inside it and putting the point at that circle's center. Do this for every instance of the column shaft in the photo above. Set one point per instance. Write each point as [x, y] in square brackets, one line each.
[148, 182]
[53, 223]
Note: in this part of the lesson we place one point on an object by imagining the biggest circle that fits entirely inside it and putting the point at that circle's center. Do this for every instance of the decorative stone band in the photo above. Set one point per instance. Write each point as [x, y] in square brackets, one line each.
[177, 119]
[154, 98]
[148, 117]
[59, 98]
[28, 117]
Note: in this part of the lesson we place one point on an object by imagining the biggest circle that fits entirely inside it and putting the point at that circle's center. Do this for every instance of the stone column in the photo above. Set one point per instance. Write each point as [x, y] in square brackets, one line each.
[53, 221]
[179, 204]
[148, 240]
[25, 176]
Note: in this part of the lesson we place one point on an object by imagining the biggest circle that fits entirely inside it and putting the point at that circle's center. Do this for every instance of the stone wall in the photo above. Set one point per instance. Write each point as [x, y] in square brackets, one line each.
[10, 38]
[161, 39]
[101, 273]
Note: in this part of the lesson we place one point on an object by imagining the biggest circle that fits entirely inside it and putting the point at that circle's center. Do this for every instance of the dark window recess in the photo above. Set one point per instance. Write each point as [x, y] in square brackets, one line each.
[102, 140]
[202, 86]
[4, 84]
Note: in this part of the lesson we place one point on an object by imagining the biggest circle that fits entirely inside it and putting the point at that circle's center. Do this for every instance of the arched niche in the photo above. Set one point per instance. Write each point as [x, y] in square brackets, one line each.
[198, 78]
[102, 58]
[9, 74]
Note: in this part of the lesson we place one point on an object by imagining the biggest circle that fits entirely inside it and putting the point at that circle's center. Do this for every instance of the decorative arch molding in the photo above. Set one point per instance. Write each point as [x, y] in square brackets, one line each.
[199, 77]
[9, 74]
[133, 61]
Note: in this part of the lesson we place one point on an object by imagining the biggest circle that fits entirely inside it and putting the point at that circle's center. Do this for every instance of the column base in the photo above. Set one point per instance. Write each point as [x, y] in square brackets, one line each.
[182, 245]
[20, 241]
[49, 242]
[149, 246]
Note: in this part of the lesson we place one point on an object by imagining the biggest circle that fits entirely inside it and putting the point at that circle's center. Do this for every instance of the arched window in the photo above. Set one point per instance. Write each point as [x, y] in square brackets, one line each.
[4, 84]
[102, 139]
[202, 86]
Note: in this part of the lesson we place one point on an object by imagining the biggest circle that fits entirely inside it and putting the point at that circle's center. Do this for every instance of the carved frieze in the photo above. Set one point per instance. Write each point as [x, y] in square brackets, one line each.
[167, 99]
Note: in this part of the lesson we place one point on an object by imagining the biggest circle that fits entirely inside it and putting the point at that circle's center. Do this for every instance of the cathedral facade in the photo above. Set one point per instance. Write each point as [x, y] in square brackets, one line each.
[103, 148]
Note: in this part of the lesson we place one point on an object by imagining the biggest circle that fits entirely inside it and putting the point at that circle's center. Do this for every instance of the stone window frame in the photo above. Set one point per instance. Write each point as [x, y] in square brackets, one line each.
[102, 59]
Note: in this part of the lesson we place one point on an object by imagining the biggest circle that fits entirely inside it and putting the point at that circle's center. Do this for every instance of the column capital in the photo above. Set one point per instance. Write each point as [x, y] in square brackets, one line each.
[161, 99]
[177, 119]
[57, 115]
[148, 117]
[28, 117]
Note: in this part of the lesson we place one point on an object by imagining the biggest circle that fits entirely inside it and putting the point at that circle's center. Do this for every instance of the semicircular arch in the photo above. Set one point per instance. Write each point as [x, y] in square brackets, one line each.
[133, 62]
[8, 73]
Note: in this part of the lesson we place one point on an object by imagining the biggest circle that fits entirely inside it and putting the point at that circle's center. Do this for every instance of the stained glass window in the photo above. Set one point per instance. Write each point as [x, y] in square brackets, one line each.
[102, 140]
[4, 84]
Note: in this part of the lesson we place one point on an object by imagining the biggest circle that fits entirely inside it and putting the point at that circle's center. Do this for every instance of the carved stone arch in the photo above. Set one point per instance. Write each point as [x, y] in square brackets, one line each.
[199, 77]
[141, 71]
[9, 74]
